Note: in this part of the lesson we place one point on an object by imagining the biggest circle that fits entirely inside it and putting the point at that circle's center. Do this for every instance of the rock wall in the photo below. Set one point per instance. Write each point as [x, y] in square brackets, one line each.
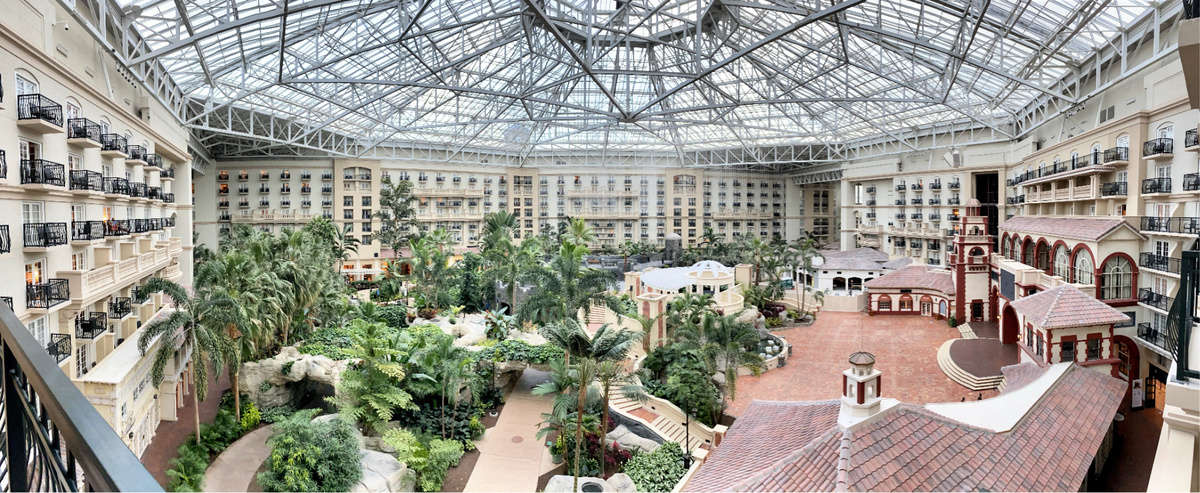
[276, 392]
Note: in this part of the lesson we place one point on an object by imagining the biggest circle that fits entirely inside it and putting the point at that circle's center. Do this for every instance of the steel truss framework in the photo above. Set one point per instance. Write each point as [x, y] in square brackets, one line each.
[759, 83]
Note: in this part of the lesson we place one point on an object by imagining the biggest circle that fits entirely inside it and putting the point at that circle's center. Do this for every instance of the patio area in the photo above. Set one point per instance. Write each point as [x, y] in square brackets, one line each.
[905, 349]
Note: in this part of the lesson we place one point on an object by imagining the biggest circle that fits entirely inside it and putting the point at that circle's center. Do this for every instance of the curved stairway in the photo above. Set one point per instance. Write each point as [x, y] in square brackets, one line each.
[663, 426]
[962, 377]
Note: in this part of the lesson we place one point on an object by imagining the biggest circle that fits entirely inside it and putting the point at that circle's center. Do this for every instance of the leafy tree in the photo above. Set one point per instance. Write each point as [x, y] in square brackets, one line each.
[430, 459]
[191, 323]
[308, 456]
[396, 214]
[430, 268]
[563, 287]
[614, 375]
[475, 293]
[371, 390]
[444, 365]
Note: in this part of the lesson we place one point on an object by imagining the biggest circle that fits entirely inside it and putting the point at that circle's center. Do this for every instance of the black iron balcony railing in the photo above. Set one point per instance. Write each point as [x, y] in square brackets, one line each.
[137, 189]
[39, 107]
[305, 189]
[937, 185]
[1116, 154]
[1181, 225]
[954, 185]
[285, 175]
[285, 189]
[91, 326]
[5, 241]
[82, 179]
[952, 201]
[87, 230]
[1191, 182]
[1147, 296]
[1080, 162]
[154, 160]
[915, 186]
[916, 201]
[900, 215]
[1156, 185]
[59, 347]
[935, 201]
[899, 201]
[1190, 139]
[116, 185]
[264, 189]
[43, 235]
[305, 175]
[871, 202]
[243, 190]
[915, 216]
[1114, 188]
[326, 190]
[225, 216]
[326, 176]
[169, 197]
[244, 204]
[116, 227]
[935, 217]
[114, 143]
[1159, 262]
[119, 307]
[952, 217]
[264, 204]
[156, 224]
[141, 225]
[900, 242]
[154, 193]
[43, 172]
[1152, 335]
[264, 175]
[900, 187]
[869, 189]
[55, 440]
[82, 128]
[137, 153]
[3, 164]
[167, 173]
[243, 176]
[1158, 146]
[47, 294]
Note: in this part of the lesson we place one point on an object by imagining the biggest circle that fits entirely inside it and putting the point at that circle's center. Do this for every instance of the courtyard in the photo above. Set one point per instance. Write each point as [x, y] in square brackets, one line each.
[905, 348]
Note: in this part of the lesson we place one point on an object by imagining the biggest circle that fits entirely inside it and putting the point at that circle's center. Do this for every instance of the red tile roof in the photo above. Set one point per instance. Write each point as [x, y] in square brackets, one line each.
[1066, 306]
[1078, 228]
[1016, 376]
[756, 441]
[909, 448]
[915, 277]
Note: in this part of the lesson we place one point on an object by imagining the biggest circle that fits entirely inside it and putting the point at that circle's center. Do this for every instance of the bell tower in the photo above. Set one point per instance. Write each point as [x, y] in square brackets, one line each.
[971, 265]
[860, 386]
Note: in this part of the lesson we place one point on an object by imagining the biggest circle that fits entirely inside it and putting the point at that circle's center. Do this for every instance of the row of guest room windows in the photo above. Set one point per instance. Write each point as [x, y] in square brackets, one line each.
[1066, 348]
[27, 84]
[1116, 275]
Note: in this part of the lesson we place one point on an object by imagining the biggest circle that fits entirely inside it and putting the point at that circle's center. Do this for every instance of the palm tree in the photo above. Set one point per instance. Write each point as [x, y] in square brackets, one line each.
[579, 233]
[508, 263]
[449, 365]
[497, 227]
[628, 249]
[806, 250]
[612, 374]
[563, 287]
[429, 265]
[688, 310]
[243, 292]
[192, 322]
[726, 344]
[647, 324]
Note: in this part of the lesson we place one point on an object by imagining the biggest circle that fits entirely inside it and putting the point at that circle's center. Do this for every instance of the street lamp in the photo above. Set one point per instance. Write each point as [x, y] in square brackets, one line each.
[687, 438]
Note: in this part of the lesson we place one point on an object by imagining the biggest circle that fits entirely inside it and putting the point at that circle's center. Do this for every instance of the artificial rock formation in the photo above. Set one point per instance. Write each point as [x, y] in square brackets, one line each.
[382, 473]
[630, 440]
[275, 392]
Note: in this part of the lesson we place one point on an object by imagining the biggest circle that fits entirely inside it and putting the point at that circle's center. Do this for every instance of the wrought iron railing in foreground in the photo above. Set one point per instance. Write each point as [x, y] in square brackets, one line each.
[54, 439]
[1184, 314]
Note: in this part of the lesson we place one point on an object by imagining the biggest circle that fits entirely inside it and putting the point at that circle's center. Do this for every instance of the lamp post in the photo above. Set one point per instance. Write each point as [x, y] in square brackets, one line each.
[687, 438]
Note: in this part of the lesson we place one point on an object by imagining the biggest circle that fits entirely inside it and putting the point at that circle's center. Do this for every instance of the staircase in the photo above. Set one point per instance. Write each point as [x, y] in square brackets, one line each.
[665, 427]
[946, 363]
[596, 315]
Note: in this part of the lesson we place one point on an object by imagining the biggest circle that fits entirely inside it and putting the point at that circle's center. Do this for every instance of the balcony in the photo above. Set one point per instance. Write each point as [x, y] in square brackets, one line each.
[137, 155]
[83, 133]
[900, 202]
[326, 190]
[42, 172]
[914, 186]
[137, 190]
[1191, 182]
[45, 235]
[119, 308]
[87, 181]
[1158, 148]
[48, 294]
[87, 231]
[871, 189]
[167, 174]
[113, 145]
[244, 204]
[937, 185]
[916, 201]
[1116, 155]
[94, 325]
[1115, 188]
[141, 226]
[1156, 185]
[169, 197]
[5, 241]
[116, 186]
[1190, 140]
[954, 185]
[154, 162]
[116, 228]
[1159, 262]
[1180, 225]
[1156, 337]
[154, 193]
[39, 113]
[900, 187]
[326, 176]
[1148, 297]
[243, 176]
[59, 347]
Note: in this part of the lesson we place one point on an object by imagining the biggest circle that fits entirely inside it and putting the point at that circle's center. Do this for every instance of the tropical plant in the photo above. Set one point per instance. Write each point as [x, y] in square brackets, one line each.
[371, 390]
[726, 344]
[578, 233]
[688, 310]
[191, 323]
[444, 365]
[430, 458]
[657, 471]
[430, 268]
[805, 252]
[311, 456]
[614, 375]
[563, 287]
[396, 214]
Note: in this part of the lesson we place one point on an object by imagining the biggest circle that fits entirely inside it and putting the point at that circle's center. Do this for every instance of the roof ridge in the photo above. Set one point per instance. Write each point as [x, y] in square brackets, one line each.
[1053, 305]
[766, 472]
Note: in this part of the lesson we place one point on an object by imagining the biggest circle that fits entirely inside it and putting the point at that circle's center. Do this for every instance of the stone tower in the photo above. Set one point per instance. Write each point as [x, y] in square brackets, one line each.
[970, 265]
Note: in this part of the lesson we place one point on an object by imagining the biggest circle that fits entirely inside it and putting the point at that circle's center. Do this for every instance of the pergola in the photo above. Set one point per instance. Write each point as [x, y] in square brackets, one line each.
[707, 82]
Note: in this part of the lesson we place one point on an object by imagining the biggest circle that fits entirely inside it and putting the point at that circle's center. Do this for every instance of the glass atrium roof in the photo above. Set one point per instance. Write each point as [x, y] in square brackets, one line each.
[631, 75]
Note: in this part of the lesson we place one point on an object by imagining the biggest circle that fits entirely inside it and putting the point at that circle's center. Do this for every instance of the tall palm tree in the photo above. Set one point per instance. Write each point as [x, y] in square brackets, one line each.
[614, 374]
[509, 262]
[497, 227]
[579, 233]
[429, 266]
[647, 325]
[564, 286]
[726, 345]
[195, 321]
[688, 310]
[806, 250]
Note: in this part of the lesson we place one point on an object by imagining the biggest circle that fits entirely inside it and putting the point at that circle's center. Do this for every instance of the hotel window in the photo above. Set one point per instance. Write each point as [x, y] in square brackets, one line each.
[885, 303]
[39, 330]
[1061, 262]
[348, 201]
[1093, 349]
[1117, 279]
[348, 214]
[1068, 351]
[1083, 268]
[1038, 349]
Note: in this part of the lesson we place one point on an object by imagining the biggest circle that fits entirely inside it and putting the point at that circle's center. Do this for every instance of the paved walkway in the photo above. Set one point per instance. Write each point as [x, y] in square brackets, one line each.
[510, 456]
[235, 468]
[170, 434]
[905, 349]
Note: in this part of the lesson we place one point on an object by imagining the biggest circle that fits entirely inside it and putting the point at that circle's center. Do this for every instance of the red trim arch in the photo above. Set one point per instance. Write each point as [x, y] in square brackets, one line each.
[1036, 247]
[879, 303]
[900, 303]
[1135, 365]
[1133, 279]
[1026, 245]
[1053, 249]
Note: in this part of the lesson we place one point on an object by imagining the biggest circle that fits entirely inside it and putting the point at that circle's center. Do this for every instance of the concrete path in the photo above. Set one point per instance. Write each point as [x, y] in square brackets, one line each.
[510, 456]
[235, 468]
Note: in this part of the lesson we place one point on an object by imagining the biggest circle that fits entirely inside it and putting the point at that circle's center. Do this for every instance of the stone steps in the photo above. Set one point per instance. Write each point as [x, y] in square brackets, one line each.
[675, 432]
[962, 377]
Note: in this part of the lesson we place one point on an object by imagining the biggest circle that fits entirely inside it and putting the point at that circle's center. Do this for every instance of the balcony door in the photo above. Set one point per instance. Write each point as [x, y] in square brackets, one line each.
[1165, 132]
[39, 330]
[81, 360]
[1163, 171]
[32, 212]
[35, 271]
[29, 149]
[1162, 249]
[26, 86]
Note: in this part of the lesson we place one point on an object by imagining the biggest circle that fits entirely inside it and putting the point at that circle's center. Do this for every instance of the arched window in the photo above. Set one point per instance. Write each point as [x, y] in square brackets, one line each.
[1123, 141]
[1096, 152]
[1004, 247]
[1027, 251]
[885, 302]
[1117, 279]
[1043, 256]
[1084, 268]
[26, 83]
[1061, 262]
[71, 108]
[975, 252]
[1165, 131]
[104, 125]
[906, 303]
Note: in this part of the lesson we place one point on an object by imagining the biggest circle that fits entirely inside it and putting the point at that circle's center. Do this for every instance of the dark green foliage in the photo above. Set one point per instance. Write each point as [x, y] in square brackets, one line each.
[278, 413]
[429, 457]
[308, 456]
[657, 471]
[680, 375]
[371, 389]
[287, 367]
[395, 316]
[616, 457]
[475, 293]
[514, 350]
[428, 419]
[187, 468]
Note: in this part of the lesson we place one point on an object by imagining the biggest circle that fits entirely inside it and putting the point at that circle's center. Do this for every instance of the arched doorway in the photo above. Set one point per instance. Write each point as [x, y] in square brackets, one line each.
[1128, 366]
[1009, 325]
[839, 284]
[855, 284]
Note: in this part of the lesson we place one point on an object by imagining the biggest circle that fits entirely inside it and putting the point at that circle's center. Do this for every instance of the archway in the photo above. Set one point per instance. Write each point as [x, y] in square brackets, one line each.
[855, 284]
[1009, 325]
[839, 284]
[1129, 364]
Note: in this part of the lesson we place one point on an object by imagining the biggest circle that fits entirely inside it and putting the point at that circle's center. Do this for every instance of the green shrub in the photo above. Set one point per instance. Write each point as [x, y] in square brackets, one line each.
[277, 413]
[286, 368]
[395, 316]
[516, 350]
[251, 417]
[657, 471]
[773, 322]
[430, 458]
[952, 321]
[308, 456]
[187, 469]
